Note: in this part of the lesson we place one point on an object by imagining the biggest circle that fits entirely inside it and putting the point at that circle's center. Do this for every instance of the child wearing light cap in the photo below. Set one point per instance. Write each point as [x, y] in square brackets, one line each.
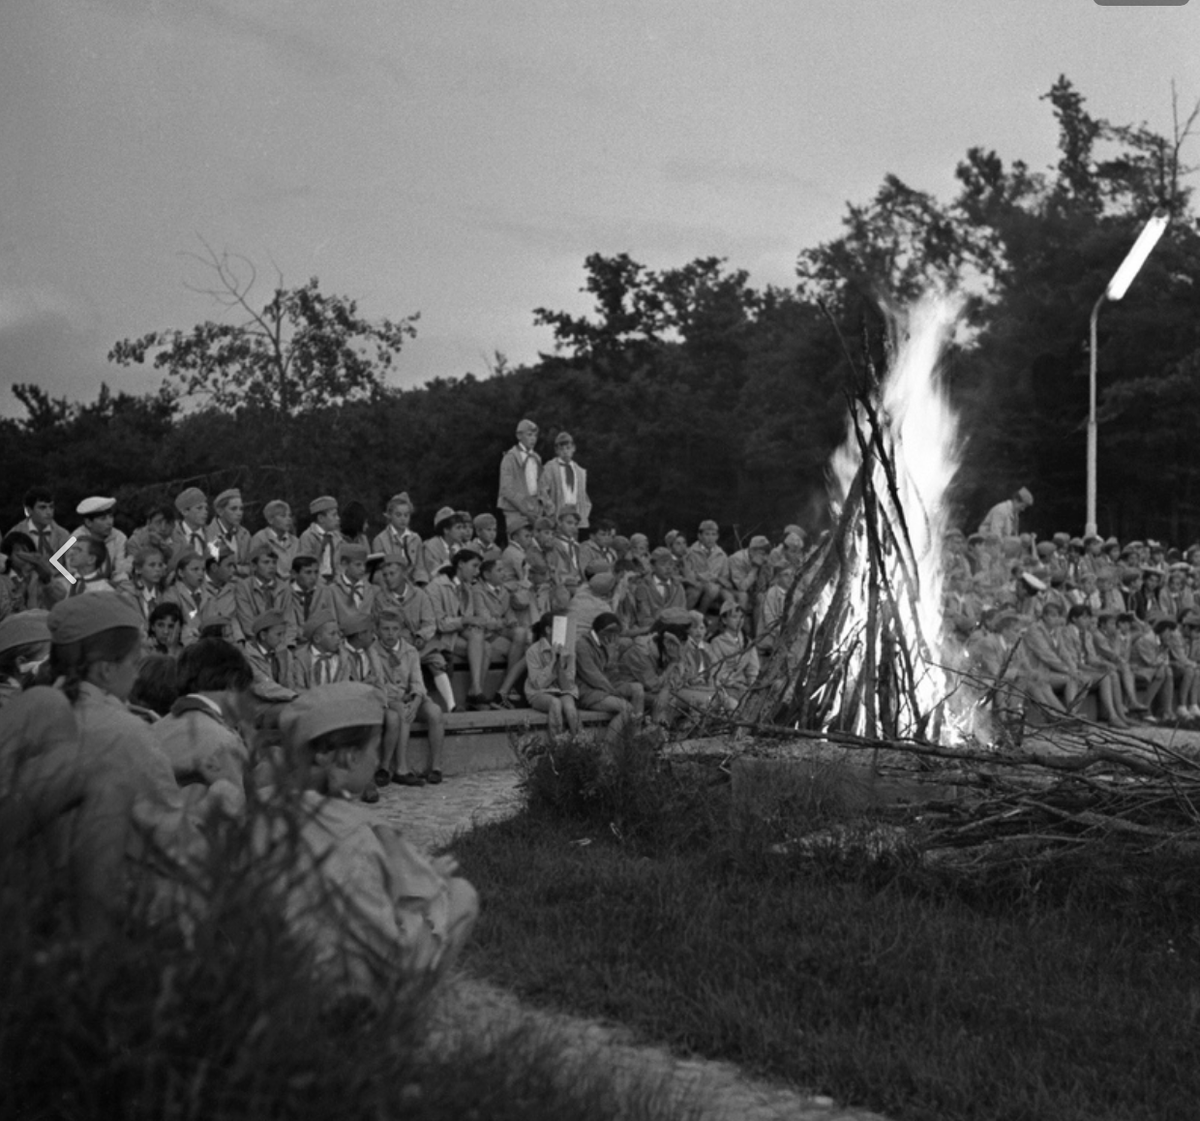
[351, 592]
[278, 534]
[191, 532]
[226, 529]
[374, 909]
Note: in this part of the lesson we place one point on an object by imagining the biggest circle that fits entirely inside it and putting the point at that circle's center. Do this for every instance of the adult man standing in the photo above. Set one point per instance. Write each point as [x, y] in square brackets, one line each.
[39, 522]
[520, 474]
[564, 482]
[1003, 519]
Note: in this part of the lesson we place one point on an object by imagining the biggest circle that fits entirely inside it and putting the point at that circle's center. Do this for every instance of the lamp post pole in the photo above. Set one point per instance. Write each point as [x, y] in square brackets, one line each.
[1090, 528]
[1117, 287]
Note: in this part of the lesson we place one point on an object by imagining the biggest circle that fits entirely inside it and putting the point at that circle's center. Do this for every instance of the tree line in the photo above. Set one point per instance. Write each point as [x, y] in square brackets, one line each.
[692, 394]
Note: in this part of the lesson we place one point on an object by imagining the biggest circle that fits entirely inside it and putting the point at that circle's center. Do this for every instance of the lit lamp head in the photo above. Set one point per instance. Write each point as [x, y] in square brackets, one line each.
[1136, 257]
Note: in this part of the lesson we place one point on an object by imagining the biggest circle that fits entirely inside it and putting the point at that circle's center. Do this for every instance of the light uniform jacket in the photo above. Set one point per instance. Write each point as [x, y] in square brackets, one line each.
[120, 564]
[309, 668]
[408, 545]
[302, 607]
[285, 548]
[419, 627]
[190, 604]
[650, 599]
[236, 540]
[554, 493]
[251, 598]
[351, 598]
[515, 496]
[451, 600]
[48, 541]
[272, 672]
[324, 546]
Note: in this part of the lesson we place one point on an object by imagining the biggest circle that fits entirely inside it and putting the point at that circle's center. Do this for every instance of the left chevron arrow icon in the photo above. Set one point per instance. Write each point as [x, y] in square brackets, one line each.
[59, 565]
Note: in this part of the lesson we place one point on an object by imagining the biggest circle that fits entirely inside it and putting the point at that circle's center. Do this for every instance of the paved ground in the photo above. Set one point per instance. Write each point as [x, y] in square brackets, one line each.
[429, 816]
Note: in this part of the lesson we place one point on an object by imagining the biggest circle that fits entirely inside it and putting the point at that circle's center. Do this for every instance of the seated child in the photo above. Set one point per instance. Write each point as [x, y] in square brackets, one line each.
[394, 914]
[166, 627]
[411, 702]
[550, 685]
[24, 646]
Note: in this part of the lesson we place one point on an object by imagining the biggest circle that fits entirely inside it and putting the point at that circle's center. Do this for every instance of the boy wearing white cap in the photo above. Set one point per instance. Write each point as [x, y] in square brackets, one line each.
[97, 514]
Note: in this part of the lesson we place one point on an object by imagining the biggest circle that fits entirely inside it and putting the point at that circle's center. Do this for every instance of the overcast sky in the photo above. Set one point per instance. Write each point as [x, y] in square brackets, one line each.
[461, 159]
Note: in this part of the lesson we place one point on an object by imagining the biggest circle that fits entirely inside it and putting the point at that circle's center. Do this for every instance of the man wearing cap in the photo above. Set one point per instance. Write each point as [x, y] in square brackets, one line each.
[520, 475]
[660, 591]
[399, 539]
[322, 538]
[564, 483]
[97, 514]
[262, 590]
[226, 528]
[45, 533]
[278, 534]
[351, 592]
[1003, 519]
[191, 532]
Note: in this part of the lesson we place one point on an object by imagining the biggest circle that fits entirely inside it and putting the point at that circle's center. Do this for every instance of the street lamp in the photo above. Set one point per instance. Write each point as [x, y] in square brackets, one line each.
[1117, 287]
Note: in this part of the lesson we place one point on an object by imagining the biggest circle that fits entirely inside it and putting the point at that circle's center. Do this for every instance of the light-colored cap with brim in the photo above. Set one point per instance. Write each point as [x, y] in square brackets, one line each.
[1025, 496]
[322, 505]
[226, 497]
[759, 542]
[94, 506]
[348, 551]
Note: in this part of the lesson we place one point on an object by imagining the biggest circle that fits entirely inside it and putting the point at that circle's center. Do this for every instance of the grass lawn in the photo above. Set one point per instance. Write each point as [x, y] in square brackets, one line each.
[882, 989]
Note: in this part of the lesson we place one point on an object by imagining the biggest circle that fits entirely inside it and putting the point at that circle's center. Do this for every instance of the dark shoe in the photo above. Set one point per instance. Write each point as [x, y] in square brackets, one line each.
[383, 776]
[408, 779]
[433, 777]
[371, 795]
[477, 702]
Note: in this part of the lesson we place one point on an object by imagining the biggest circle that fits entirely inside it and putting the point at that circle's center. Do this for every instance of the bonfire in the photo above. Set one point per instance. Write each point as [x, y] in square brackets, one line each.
[862, 662]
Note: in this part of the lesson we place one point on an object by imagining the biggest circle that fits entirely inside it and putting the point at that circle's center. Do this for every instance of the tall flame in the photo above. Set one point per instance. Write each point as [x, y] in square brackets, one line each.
[919, 432]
